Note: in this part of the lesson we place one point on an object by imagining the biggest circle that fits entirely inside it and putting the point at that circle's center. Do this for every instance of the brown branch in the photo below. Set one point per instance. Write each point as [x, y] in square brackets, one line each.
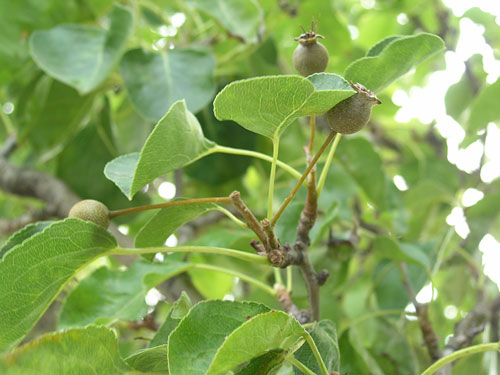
[285, 299]
[249, 218]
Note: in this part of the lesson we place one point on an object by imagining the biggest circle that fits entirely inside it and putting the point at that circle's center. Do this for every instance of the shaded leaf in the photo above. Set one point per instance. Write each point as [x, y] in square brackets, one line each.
[151, 359]
[480, 219]
[395, 60]
[266, 364]
[33, 273]
[82, 56]
[484, 108]
[108, 295]
[390, 248]
[176, 141]
[324, 335]
[156, 80]
[268, 105]
[458, 97]
[86, 351]
[240, 17]
[178, 310]
[267, 331]
[193, 344]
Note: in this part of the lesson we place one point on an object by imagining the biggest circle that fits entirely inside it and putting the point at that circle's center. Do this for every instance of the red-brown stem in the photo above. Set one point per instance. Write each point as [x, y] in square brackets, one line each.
[302, 179]
[132, 210]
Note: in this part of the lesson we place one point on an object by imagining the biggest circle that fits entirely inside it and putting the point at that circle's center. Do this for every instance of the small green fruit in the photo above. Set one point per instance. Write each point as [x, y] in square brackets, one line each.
[352, 114]
[310, 56]
[91, 210]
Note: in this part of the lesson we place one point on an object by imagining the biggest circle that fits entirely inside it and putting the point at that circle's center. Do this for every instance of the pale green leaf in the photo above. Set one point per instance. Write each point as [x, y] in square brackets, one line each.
[393, 61]
[82, 56]
[108, 295]
[34, 272]
[178, 310]
[176, 141]
[324, 335]
[390, 248]
[241, 18]
[156, 80]
[88, 351]
[268, 105]
[484, 109]
[23, 234]
[193, 344]
[267, 331]
[151, 359]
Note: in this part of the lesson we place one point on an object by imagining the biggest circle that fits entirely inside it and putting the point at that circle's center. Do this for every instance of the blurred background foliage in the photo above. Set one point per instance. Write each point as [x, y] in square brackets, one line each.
[424, 171]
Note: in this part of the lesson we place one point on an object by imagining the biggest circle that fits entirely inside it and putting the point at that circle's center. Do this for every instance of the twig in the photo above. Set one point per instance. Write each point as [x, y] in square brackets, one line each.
[285, 299]
[249, 218]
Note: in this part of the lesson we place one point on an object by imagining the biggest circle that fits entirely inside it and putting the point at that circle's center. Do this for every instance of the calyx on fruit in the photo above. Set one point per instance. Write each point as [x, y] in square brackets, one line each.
[91, 210]
[310, 56]
[352, 114]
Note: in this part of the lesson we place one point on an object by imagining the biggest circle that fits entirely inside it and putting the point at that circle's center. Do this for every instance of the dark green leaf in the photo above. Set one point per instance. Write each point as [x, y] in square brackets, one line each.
[266, 364]
[23, 234]
[193, 344]
[35, 271]
[82, 56]
[156, 80]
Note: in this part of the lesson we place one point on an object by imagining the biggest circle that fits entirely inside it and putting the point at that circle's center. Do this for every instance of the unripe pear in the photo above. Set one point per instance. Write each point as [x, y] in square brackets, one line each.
[310, 56]
[352, 114]
[91, 210]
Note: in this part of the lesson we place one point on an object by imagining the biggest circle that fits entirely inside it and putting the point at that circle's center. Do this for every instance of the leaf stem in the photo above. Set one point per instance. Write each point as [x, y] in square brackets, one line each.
[277, 276]
[9, 127]
[312, 121]
[248, 279]
[302, 179]
[289, 279]
[233, 218]
[132, 210]
[270, 194]
[253, 258]
[314, 349]
[326, 166]
[238, 151]
[299, 365]
[459, 354]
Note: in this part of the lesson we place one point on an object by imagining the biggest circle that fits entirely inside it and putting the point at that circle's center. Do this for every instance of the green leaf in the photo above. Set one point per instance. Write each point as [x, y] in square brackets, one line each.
[393, 61]
[268, 105]
[390, 248]
[178, 310]
[364, 164]
[241, 18]
[324, 335]
[108, 295]
[167, 220]
[458, 97]
[156, 80]
[176, 141]
[150, 360]
[82, 56]
[266, 364]
[34, 272]
[480, 219]
[267, 331]
[87, 351]
[196, 339]
[23, 234]
[484, 109]
[377, 48]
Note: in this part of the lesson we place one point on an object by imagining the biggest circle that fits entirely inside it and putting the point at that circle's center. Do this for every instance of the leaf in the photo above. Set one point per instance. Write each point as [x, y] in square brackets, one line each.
[484, 109]
[268, 105]
[364, 164]
[82, 56]
[156, 80]
[377, 48]
[156, 231]
[35, 271]
[480, 219]
[458, 97]
[196, 339]
[150, 360]
[393, 61]
[390, 248]
[266, 364]
[241, 18]
[178, 310]
[267, 331]
[91, 350]
[108, 295]
[176, 141]
[324, 335]
[23, 234]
